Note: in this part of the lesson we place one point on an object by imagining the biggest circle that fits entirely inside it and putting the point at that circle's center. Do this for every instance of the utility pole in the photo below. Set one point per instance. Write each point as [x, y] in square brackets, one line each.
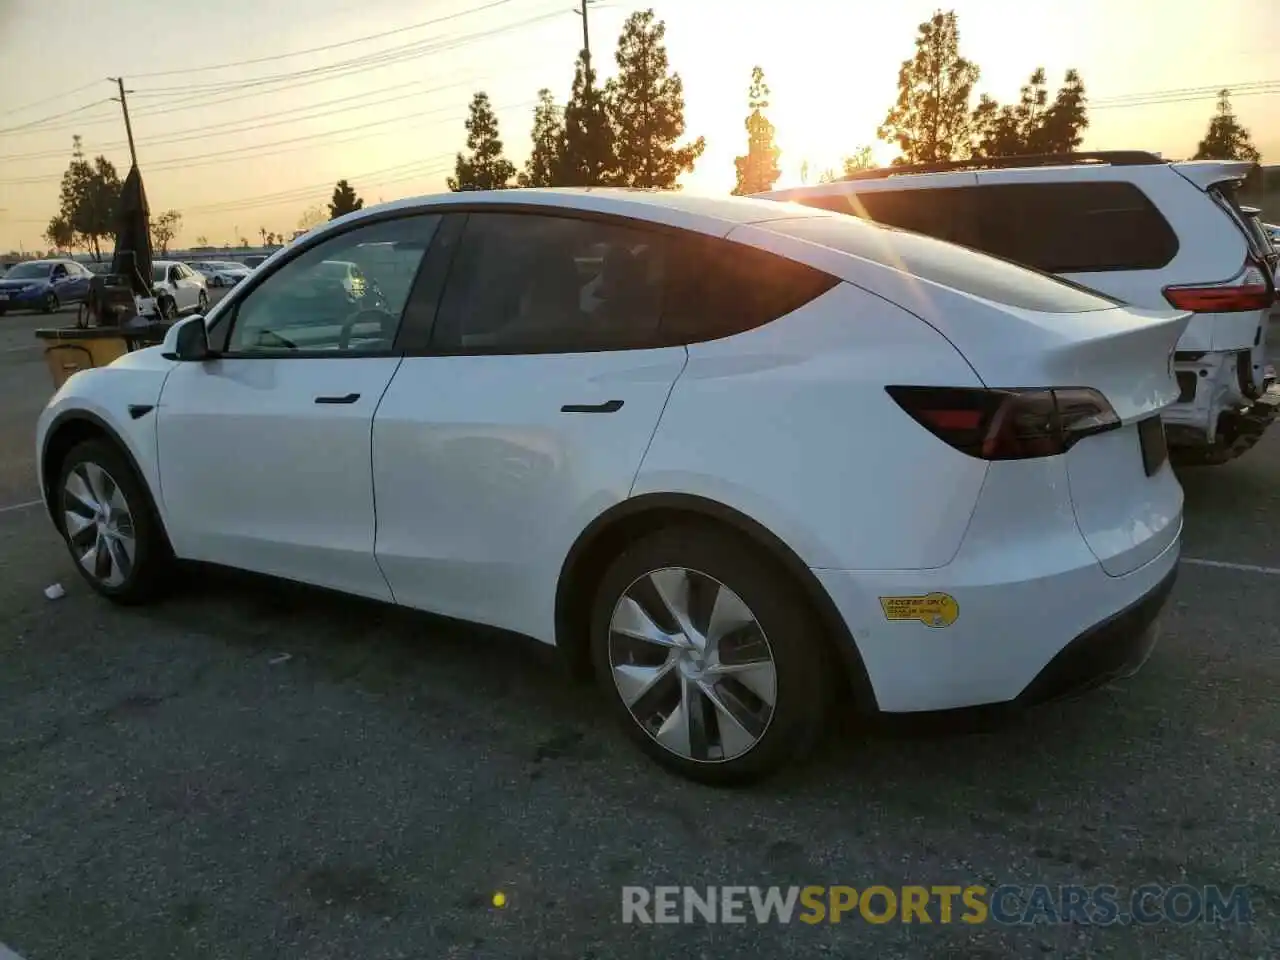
[124, 106]
[586, 37]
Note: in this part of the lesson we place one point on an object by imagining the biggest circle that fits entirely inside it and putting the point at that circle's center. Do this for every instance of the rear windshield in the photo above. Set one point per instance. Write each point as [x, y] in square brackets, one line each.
[1225, 195]
[947, 264]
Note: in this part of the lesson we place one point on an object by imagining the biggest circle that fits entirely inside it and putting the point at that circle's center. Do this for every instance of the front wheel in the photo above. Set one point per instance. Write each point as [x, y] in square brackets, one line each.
[216, 281]
[50, 304]
[711, 659]
[168, 309]
[110, 528]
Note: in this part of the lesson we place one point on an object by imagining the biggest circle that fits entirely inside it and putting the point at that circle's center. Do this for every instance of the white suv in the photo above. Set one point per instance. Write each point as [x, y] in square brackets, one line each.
[1146, 231]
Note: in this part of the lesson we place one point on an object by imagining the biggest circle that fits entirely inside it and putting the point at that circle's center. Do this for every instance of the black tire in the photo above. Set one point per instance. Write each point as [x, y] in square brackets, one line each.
[50, 303]
[202, 304]
[2, 310]
[216, 282]
[151, 566]
[793, 636]
[168, 309]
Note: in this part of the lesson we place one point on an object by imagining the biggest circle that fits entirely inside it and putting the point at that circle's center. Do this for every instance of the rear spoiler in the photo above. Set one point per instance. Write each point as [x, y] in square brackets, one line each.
[1209, 173]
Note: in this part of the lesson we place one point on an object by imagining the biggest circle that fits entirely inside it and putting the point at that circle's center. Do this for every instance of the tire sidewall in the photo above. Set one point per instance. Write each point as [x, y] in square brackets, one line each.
[149, 557]
[202, 303]
[50, 304]
[793, 632]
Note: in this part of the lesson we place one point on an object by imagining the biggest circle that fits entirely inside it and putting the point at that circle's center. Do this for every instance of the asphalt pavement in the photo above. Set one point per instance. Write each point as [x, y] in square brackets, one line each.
[257, 770]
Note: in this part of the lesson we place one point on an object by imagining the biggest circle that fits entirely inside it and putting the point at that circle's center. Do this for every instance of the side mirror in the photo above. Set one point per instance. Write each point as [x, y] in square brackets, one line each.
[187, 341]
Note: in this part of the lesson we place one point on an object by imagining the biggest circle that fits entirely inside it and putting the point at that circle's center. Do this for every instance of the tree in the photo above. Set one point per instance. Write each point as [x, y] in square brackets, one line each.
[646, 109]
[311, 218]
[860, 159]
[1226, 139]
[1033, 125]
[60, 234]
[89, 197]
[588, 159]
[202, 241]
[244, 242]
[931, 120]
[164, 228]
[486, 168]
[542, 169]
[344, 201]
[758, 170]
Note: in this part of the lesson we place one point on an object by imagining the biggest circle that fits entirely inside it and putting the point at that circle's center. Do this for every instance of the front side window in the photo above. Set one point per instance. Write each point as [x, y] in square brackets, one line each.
[531, 283]
[317, 302]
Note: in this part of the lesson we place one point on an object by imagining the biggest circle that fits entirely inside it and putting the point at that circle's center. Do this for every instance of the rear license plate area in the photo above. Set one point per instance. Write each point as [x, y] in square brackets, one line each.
[1155, 451]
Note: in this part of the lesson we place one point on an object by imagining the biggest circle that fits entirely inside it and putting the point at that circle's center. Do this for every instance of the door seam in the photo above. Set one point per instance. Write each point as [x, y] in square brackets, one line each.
[657, 423]
[373, 482]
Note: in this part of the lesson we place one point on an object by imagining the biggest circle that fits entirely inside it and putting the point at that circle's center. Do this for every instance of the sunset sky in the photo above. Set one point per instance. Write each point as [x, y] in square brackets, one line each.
[239, 148]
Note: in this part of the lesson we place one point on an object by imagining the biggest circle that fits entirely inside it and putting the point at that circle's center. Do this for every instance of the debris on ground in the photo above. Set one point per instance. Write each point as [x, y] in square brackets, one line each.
[54, 591]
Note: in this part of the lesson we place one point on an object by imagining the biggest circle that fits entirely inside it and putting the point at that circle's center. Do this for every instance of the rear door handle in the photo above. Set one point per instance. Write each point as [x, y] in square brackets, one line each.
[346, 398]
[609, 406]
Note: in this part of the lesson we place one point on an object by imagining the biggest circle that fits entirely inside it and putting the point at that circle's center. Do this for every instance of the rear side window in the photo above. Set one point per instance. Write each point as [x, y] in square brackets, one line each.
[948, 264]
[720, 288]
[1080, 227]
[948, 213]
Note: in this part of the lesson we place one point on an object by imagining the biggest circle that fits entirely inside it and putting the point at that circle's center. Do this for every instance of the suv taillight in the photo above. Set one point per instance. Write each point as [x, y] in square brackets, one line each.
[1008, 424]
[1251, 289]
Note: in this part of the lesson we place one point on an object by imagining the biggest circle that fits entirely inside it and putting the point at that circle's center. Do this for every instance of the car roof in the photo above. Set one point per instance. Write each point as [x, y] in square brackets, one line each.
[701, 213]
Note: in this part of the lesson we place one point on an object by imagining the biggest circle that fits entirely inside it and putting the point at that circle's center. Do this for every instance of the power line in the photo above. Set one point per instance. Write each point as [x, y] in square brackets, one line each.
[1156, 101]
[328, 46]
[1214, 90]
[56, 96]
[66, 113]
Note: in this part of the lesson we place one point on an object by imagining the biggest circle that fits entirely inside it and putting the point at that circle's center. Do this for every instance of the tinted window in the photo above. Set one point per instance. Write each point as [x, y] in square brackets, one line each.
[1075, 227]
[157, 274]
[946, 263]
[948, 213]
[719, 288]
[528, 283]
[307, 305]
[32, 270]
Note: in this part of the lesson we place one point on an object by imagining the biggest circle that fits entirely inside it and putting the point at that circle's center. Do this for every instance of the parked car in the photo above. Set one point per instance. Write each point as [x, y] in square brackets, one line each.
[778, 456]
[43, 285]
[1150, 232]
[220, 273]
[255, 260]
[178, 289]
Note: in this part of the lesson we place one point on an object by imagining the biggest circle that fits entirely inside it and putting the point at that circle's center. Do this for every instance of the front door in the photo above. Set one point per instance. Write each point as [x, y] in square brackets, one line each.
[265, 450]
[527, 415]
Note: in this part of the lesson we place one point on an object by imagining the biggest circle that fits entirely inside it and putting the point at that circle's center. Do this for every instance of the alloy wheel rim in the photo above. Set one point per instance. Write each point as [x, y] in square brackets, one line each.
[692, 665]
[99, 524]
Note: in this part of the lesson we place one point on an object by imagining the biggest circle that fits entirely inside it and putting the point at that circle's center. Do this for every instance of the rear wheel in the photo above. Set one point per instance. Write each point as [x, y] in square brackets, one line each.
[711, 660]
[109, 524]
[202, 303]
[168, 309]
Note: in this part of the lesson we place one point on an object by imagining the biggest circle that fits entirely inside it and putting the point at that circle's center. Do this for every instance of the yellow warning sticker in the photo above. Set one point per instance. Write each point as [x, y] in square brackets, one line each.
[933, 610]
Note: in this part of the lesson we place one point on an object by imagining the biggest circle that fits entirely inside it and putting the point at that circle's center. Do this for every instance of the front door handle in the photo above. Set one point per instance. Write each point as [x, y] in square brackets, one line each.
[609, 406]
[346, 398]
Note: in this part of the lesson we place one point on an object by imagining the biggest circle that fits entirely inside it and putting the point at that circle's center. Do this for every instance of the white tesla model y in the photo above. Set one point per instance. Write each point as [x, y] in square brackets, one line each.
[741, 458]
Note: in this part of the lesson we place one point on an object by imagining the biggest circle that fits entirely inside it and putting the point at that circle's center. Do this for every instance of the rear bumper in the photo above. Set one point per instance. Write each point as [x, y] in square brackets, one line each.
[1034, 616]
[24, 300]
[1116, 647]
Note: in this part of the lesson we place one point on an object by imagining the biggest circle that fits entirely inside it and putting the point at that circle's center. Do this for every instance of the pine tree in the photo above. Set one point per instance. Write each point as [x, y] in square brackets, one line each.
[758, 170]
[1033, 125]
[931, 120]
[486, 168]
[1226, 139]
[862, 159]
[542, 169]
[646, 109]
[344, 200]
[588, 159]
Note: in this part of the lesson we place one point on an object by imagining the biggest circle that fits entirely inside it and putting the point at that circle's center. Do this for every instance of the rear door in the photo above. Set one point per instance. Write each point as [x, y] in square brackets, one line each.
[523, 413]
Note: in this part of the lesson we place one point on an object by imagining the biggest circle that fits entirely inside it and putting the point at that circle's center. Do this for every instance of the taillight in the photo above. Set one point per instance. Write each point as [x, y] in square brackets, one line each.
[1008, 424]
[1251, 289]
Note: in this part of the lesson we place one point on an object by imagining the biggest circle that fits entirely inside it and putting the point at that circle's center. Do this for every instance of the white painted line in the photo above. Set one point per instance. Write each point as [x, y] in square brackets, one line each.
[9, 509]
[18, 350]
[7, 954]
[1242, 567]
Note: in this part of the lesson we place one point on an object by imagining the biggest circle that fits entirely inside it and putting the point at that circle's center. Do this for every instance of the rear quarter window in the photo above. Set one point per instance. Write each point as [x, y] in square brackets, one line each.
[1079, 227]
[948, 264]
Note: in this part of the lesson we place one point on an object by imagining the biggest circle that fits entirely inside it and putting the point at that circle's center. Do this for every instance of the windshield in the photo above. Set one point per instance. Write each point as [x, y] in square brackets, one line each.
[34, 270]
[158, 272]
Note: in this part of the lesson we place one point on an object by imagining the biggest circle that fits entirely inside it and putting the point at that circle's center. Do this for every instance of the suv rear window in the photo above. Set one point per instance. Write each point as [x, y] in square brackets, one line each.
[947, 264]
[1081, 227]
[1075, 227]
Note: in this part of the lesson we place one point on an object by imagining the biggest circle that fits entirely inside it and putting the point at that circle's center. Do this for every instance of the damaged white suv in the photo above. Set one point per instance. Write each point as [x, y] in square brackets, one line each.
[1146, 231]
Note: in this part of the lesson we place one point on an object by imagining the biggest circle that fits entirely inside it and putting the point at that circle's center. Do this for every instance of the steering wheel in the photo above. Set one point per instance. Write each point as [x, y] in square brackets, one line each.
[385, 321]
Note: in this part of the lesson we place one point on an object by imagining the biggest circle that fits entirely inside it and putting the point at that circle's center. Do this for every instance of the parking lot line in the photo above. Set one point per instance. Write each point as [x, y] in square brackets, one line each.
[9, 509]
[1243, 567]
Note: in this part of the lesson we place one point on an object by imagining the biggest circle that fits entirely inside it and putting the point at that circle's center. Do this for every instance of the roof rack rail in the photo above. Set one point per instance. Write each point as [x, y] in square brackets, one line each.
[1118, 158]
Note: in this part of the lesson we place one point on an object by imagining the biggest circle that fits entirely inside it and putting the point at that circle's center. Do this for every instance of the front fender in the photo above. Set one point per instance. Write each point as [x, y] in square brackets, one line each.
[120, 400]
